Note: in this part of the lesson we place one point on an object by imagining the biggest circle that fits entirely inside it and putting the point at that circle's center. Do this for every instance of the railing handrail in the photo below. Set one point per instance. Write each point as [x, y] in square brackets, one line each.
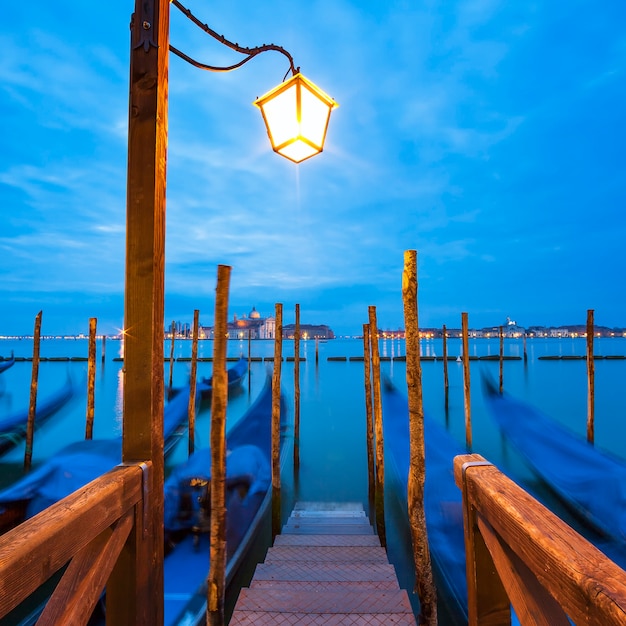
[39, 547]
[547, 569]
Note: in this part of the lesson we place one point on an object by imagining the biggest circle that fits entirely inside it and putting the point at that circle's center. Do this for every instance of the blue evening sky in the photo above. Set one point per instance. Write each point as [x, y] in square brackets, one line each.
[488, 135]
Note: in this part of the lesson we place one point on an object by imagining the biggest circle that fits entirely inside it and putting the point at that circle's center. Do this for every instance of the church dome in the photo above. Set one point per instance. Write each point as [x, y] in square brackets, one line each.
[254, 314]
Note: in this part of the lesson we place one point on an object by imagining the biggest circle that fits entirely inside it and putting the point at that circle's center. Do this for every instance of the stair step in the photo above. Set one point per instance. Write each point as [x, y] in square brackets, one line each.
[326, 553]
[321, 586]
[327, 529]
[310, 602]
[327, 540]
[289, 570]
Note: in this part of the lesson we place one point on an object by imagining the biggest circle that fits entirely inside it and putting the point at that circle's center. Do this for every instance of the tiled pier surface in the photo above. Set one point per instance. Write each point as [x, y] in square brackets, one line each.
[326, 567]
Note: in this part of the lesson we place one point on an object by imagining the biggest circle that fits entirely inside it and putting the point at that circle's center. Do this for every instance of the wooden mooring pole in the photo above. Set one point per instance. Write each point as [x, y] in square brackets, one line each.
[173, 332]
[249, 361]
[296, 393]
[104, 348]
[191, 407]
[91, 378]
[216, 586]
[590, 378]
[446, 384]
[278, 357]
[424, 585]
[32, 406]
[501, 359]
[379, 497]
[369, 422]
[466, 384]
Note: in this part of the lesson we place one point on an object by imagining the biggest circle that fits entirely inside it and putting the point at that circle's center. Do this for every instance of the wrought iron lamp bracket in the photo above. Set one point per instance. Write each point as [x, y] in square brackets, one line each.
[249, 52]
[144, 34]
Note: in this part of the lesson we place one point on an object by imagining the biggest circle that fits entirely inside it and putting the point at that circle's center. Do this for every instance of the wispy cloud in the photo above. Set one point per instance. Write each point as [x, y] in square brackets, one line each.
[487, 135]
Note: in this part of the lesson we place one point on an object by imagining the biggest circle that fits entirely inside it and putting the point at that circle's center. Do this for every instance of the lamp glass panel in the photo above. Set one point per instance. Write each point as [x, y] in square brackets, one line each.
[314, 117]
[298, 151]
[281, 116]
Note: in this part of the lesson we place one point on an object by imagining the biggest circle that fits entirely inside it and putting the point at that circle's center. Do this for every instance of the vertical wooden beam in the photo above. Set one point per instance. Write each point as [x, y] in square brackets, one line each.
[501, 359]
[590, 378]
[487, 602]
[216, 584]
[191, 408]
[91, 378]
[278, 358]
[104, 348]
[169, 386]
[424, 585]
[135, 590]
[369, 420]
[466, 384]
[446, 384]
[32, 405]
[379, 498]
[525, 352]
[296, 393]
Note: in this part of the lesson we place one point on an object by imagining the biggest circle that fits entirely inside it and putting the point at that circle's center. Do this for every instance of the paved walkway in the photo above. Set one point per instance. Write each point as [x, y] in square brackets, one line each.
[326, 567]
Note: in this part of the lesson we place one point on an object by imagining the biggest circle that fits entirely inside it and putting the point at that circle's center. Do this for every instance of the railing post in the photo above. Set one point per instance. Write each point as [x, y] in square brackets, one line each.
[487, 601]
[550, 573]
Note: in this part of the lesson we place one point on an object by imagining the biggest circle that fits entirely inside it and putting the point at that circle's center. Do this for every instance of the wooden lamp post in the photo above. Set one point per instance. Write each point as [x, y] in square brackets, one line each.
[144, 290]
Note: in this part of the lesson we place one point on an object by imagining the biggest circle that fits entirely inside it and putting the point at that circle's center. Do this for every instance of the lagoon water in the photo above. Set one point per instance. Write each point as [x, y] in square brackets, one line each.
[333, 463]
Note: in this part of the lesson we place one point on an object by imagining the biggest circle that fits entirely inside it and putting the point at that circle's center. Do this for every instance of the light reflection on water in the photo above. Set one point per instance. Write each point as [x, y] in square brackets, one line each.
[333, 462]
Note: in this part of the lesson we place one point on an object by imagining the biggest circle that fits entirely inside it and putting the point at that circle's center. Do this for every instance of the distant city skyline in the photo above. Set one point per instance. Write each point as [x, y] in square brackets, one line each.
[487, 135]
[568, 330]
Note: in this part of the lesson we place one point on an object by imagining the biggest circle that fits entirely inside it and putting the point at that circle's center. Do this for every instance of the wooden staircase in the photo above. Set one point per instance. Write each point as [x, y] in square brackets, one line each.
[327, 567]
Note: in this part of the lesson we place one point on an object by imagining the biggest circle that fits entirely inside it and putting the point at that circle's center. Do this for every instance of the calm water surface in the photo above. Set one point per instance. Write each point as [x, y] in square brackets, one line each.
[333, 463]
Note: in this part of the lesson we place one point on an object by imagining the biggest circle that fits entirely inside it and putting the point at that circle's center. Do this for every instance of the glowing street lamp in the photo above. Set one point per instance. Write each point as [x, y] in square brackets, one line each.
[296, 115]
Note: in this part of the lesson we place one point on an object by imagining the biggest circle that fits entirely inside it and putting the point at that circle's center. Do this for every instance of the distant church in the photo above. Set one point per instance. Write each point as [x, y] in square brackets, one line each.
[265, 328]
[254, 325]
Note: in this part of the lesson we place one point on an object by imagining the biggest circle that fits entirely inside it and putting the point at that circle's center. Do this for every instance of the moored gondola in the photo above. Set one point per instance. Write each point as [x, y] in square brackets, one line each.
[188, 514]
[591, 483]
[442, 498]
[5, 364]
[13, 427]
[236, 374]
[74, 466]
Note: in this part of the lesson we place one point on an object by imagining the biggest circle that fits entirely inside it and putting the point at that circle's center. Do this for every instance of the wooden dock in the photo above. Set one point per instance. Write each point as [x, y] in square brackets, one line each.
[326, 567]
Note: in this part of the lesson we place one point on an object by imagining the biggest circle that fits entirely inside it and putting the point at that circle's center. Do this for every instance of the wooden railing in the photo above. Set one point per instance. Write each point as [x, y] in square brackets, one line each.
[88, 531]
[520, 554]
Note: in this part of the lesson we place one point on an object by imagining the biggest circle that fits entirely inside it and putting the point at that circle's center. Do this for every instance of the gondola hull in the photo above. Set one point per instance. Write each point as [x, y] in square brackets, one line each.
[591, 483]
[76, 465]
[442, 498]
[13, 427]
[186, 565]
